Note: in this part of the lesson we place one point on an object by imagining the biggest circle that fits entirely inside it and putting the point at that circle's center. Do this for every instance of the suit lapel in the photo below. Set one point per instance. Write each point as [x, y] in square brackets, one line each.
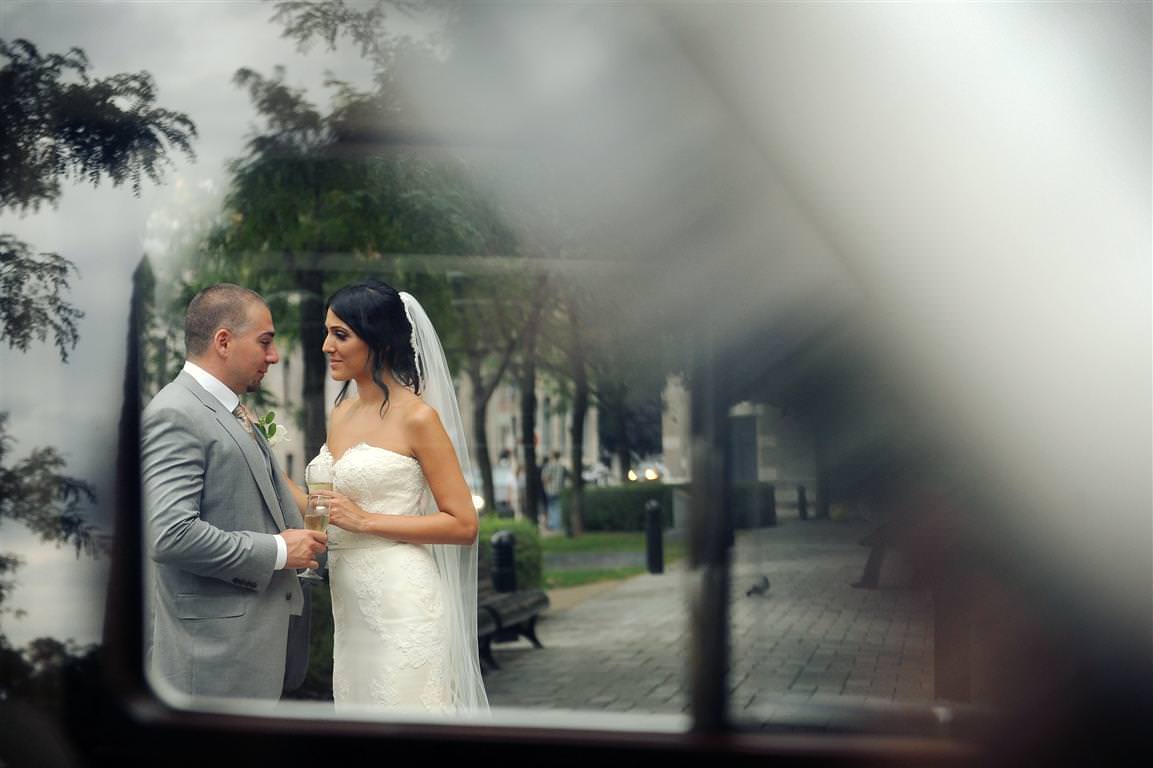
[253, 453]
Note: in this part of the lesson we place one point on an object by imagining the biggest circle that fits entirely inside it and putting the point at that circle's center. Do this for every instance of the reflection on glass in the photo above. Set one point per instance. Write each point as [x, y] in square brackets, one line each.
[829, 621]
[932, 373]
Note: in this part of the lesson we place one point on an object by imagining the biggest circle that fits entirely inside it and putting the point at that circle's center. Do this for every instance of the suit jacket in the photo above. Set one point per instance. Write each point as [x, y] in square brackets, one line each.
[214, 498]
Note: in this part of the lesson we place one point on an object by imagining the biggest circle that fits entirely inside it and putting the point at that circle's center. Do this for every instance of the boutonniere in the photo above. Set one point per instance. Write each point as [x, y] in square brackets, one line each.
[274, 433]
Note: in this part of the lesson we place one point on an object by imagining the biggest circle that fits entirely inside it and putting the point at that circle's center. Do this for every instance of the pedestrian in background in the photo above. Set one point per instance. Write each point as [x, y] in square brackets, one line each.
[552, 479]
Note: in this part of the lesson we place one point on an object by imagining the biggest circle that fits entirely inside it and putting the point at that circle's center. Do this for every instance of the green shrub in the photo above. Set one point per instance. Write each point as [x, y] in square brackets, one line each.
[620, 507]
[529, 560]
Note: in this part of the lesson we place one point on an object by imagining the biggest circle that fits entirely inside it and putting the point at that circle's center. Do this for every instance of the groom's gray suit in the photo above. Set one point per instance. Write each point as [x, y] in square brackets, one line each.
[214, 499]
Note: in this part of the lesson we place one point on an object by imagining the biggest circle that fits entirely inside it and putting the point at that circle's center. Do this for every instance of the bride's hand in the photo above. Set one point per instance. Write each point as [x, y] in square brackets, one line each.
[344, 513]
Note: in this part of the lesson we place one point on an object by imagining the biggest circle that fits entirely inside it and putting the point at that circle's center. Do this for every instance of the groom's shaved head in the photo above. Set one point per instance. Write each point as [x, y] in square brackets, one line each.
[223, 305]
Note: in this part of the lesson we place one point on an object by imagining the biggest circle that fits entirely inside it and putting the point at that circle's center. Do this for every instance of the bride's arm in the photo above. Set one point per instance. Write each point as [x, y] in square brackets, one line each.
[298, 494]
[456, 520]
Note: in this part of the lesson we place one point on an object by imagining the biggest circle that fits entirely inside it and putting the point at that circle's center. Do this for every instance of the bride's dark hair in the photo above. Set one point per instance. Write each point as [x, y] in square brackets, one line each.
[375, 312]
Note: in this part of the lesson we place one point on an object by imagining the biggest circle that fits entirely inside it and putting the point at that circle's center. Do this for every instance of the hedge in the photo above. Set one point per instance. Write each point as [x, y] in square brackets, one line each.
[529, 559]
[622, 507]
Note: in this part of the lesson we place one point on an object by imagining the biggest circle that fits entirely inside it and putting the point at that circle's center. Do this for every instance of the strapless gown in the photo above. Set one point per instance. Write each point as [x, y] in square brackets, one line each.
[390, 649]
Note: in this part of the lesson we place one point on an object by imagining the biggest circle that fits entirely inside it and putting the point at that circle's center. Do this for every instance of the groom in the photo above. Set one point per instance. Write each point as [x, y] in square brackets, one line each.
[223, 529]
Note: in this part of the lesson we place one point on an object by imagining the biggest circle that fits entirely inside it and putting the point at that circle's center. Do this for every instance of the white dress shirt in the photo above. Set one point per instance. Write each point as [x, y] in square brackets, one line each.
[230, 400]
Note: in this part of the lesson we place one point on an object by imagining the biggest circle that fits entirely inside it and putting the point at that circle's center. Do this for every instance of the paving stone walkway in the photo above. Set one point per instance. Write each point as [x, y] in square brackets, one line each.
[808, 642]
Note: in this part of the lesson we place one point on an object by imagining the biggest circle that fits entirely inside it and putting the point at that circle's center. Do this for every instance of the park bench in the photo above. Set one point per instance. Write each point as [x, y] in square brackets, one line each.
[503, 616]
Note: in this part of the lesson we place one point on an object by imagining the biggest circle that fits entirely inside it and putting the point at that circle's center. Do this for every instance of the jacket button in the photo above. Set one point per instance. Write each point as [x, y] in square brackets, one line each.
[287, 595]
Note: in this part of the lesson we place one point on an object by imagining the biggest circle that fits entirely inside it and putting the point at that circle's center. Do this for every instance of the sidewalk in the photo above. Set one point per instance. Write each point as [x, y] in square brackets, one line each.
[810, 639]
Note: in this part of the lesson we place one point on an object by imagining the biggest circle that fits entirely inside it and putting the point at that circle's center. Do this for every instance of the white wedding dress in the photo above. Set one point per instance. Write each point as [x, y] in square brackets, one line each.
[390, 646]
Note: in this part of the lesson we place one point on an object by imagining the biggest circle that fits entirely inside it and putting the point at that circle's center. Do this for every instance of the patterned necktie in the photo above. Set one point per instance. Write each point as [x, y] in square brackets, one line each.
[245, 419]
[244, 416]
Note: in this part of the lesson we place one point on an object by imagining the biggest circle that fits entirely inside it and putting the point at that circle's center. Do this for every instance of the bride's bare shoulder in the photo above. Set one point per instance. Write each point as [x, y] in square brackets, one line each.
[419, 415]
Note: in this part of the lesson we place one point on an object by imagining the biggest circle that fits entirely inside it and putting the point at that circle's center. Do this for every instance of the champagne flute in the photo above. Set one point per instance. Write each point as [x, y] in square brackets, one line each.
[317, 476]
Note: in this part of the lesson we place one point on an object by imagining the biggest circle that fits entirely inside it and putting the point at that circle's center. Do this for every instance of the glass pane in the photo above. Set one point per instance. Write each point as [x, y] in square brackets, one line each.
[800, 285]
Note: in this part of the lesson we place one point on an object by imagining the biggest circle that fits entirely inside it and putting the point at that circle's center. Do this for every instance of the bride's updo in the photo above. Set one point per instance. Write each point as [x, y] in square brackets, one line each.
[375, 312]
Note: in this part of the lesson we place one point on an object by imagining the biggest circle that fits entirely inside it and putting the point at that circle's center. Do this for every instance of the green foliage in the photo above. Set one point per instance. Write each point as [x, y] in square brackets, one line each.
[315, 204]
[32, 304]
[529, 559]
[34, 492]
[47, 672]
[8, 565]
[58, 122]
[607, 542]
[595, 542]
[367, 24]
[301, 197]
[621, 507]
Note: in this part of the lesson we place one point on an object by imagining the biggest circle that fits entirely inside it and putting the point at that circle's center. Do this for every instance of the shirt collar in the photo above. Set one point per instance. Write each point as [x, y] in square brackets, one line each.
[215, 386]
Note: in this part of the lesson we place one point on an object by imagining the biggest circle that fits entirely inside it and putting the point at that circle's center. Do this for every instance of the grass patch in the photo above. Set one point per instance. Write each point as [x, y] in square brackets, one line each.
[581, 576]
[597, 542]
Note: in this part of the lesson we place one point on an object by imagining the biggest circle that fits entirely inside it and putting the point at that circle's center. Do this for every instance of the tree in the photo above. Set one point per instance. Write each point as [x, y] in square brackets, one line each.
[311, 205]
[57, 124]
[289, 204]
[486, 359]
[529, 329]
[571, 342]
[628, 376]
[366, 24]
[32, 297]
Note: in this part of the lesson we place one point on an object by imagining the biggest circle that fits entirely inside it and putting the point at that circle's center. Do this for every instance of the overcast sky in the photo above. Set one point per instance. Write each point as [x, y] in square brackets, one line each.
[192, 50]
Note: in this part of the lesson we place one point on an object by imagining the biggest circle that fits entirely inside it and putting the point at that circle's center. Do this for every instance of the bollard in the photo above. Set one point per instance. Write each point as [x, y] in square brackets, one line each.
[768, 506]
[802, 503]
[504, 561]
[654, 536]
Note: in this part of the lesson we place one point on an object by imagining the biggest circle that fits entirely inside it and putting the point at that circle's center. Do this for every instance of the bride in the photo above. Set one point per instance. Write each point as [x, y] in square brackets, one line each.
[403, 529]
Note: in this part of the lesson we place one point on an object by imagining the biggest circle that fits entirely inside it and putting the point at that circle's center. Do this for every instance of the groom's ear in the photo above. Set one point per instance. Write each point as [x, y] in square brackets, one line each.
[221, 340]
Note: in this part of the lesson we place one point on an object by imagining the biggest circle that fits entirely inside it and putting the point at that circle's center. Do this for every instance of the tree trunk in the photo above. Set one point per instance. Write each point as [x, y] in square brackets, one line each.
[621, 426]
[533, 495]
[480, 398]
[580, 408]
[530, 333]
[311, 285]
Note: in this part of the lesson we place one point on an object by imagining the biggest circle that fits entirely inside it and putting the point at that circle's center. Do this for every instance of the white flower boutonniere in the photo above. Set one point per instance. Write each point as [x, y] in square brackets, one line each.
[274, 433]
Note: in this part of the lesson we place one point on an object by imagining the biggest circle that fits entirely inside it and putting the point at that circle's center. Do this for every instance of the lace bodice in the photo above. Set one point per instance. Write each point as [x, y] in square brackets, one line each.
[380, 481]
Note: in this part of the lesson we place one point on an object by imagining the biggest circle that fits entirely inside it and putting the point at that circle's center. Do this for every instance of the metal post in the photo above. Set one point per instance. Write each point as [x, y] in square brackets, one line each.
[802, 503]
[709, 534]
[654, 536]
[504, 561]
[767, 505]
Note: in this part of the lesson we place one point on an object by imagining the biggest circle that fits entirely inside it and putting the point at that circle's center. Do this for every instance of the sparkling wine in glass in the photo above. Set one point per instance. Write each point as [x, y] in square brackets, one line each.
[317, 476]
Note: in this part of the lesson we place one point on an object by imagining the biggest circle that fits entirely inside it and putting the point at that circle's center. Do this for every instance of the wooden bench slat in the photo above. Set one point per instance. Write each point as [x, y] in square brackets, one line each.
[503, 616]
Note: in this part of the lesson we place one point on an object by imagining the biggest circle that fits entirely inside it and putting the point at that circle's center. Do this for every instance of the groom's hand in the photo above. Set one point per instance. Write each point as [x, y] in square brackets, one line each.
[303, 547]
